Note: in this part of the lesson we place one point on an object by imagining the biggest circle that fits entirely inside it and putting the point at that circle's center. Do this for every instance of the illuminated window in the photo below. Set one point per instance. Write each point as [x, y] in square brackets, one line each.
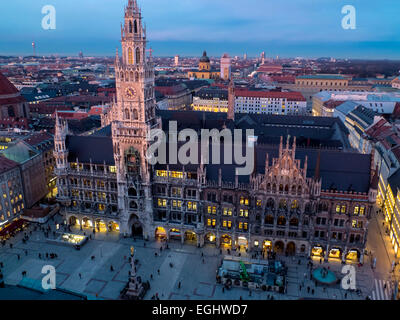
[244, 213]
[356, 210]
[176, 204]
[362, 210]
[343, 209]
[244, 201]
[258, 203]
[161, 173]
[101, 207]
[113, 169]
[162, 203]
[192, 206]
[212, 210]
[176, 174]
[338, 209]
[211, 222]
[227, 224]
[227, 212]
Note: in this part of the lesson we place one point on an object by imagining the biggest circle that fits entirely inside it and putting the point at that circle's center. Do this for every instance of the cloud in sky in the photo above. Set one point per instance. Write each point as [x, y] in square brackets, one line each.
[94, 25]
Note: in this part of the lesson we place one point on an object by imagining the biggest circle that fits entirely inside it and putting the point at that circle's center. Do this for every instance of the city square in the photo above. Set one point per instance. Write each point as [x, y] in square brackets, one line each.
[77, 271]
[181, 162]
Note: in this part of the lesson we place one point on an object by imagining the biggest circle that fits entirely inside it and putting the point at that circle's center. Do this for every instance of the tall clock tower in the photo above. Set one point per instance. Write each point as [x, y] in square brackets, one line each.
[131, 117]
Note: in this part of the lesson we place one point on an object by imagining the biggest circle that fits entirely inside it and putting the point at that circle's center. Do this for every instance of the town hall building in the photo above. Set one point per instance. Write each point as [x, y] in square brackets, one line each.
[299, 199]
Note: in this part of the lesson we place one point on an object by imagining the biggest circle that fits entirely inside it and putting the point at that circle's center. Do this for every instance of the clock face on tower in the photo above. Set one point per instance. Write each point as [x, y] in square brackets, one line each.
[130, 92]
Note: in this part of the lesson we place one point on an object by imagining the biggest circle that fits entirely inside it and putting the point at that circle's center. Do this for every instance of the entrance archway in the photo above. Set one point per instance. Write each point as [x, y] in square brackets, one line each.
[210, 238]
[335, 253]
[136, 226]
[291, 248]
[353, 255]
[87, 223]
[278, 247]
[160, 233]
[242, 243]
[73, 221]
[191, 237]
[100, 226]
[267, 245]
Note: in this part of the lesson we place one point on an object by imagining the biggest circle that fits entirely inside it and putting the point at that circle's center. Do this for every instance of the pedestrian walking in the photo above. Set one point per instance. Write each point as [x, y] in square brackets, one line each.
[312, 291]
[158, 271]
[308, 289]
[80, 276]
[345, 295]
[111, 268]
[179, 285]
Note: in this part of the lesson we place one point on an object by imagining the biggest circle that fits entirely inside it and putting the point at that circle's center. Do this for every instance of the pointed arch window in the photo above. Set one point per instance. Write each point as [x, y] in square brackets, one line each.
[135, 26]
[126, 114]
[137, 55]
[130, 56]
[130, 26]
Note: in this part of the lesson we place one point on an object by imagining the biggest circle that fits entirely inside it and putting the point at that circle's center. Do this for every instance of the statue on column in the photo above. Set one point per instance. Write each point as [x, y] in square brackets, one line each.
[135, 289]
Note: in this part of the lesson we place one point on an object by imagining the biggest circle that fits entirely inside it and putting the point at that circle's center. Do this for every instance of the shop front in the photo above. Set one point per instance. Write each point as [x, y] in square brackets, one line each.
[267, 246]
[317, 252]
[160, 234]
[353, 256]
[9, 229]
[175, 234]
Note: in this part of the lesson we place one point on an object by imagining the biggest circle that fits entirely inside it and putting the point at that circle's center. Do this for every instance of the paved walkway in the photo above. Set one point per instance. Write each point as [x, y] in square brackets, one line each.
[78, 272]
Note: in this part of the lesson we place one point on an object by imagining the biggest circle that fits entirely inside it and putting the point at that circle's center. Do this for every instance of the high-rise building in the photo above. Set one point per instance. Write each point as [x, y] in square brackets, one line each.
[176, 61]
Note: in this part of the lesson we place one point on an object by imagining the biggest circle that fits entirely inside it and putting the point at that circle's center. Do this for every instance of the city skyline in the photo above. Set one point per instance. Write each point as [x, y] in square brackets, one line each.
[299, 28]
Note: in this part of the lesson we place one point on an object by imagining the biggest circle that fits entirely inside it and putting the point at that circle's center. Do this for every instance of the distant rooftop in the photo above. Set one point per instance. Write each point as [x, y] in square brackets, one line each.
[323, 76]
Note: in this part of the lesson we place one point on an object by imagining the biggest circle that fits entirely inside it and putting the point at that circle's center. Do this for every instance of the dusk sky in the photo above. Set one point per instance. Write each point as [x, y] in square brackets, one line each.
[288, 28]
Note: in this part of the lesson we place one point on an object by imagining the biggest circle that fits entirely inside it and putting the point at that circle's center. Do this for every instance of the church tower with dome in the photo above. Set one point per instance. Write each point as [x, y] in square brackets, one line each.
[205, 71]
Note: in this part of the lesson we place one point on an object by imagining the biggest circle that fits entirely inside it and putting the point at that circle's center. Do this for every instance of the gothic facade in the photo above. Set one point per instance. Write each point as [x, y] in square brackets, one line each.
[297, 200]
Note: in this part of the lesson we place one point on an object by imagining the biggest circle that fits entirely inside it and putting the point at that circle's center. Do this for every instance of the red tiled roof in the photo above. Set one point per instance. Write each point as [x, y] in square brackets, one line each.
[294, 96]
[283, 79]
[6, 87]
[332, 104]
[37, 138]
[6, 164]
